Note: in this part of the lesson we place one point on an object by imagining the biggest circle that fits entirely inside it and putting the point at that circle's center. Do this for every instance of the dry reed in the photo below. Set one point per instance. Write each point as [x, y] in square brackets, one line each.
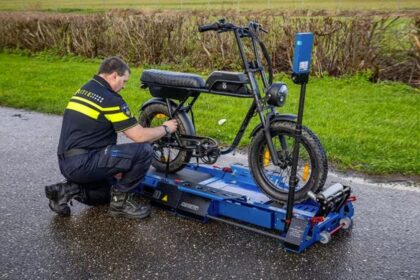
[387, 45]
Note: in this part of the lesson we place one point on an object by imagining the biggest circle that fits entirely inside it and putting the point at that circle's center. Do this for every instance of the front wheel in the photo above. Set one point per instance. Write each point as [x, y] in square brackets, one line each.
[274, 180]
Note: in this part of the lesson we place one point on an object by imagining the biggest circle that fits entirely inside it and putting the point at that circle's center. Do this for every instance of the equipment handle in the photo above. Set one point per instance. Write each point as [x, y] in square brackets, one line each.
[210, 27]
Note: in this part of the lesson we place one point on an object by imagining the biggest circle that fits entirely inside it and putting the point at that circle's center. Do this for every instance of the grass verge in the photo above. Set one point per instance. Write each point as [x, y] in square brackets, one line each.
[373, 128]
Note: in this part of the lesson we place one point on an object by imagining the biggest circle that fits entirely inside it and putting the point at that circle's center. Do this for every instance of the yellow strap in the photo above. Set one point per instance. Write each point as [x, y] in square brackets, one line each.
[117, 117]
[96, 105]
[83, 109]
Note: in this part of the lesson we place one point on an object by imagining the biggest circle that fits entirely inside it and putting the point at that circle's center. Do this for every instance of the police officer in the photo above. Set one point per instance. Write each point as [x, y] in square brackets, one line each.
[97, 170]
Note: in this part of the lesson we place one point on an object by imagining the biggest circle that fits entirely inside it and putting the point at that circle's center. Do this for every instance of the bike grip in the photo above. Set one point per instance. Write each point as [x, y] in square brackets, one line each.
[209, 27]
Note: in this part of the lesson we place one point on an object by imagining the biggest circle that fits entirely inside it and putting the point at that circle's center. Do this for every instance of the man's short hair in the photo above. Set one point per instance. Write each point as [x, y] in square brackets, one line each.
[114, 64]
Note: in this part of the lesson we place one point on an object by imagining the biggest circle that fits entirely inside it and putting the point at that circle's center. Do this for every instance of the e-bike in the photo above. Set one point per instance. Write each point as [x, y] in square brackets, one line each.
[270, 154]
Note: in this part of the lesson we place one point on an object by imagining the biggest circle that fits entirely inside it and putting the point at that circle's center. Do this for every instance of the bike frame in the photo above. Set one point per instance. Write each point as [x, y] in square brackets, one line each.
[258, 106]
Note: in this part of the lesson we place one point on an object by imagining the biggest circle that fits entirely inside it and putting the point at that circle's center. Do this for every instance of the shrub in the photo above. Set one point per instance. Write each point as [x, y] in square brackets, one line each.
[387, 46]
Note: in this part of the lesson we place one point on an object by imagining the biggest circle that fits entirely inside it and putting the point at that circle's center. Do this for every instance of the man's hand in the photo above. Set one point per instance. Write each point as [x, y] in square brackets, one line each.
[141, 134]
[172, 125]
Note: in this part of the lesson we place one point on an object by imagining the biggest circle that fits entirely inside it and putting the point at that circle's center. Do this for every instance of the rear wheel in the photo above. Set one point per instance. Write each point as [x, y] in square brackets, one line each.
[155, 115]
[274, 180]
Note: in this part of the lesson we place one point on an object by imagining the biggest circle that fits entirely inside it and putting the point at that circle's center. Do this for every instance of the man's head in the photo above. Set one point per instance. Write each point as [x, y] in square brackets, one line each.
[115, 71]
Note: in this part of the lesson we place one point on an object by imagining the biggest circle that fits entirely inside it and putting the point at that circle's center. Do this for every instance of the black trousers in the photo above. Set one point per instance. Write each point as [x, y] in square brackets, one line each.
[94, 170]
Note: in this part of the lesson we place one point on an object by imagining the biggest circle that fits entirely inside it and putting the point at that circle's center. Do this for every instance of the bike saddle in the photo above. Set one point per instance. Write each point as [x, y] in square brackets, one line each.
[172, 79]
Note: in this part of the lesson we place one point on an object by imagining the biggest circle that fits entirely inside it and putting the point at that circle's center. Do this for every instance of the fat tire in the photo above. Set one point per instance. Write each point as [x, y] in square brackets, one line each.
[183, 157]
[315, 151]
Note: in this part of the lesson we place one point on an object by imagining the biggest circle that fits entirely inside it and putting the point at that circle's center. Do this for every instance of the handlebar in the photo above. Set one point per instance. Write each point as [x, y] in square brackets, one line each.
[210, 27]
[219, 26]
[222, 26]
[250, 31]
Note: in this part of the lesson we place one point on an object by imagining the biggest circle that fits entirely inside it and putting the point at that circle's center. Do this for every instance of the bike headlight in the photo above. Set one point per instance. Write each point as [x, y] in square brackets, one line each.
[276, 94]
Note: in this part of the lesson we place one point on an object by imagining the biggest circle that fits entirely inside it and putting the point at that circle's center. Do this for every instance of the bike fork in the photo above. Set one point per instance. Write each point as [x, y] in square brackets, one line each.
[270, 144]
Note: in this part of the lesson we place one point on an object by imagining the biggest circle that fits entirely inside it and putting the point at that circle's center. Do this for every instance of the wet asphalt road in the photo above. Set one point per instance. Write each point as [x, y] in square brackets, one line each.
[36, 244]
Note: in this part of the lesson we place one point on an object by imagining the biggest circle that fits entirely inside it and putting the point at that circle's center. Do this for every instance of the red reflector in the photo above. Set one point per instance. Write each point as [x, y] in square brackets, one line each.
[352, 198]
[316, 220]
[227, 169]
[177, 181]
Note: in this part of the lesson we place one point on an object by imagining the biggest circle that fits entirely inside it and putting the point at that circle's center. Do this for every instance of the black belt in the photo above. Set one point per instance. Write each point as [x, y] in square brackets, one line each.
[73, 152]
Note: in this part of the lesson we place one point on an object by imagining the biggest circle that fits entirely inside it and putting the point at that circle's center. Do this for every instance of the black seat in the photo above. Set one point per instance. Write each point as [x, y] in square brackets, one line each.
[172, 79]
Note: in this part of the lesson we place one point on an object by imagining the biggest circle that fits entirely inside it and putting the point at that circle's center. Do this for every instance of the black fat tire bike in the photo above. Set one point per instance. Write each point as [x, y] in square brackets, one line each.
[271, 149]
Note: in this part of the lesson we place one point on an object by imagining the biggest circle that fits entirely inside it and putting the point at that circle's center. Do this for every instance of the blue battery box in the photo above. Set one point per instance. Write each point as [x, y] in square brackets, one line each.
[303, 53]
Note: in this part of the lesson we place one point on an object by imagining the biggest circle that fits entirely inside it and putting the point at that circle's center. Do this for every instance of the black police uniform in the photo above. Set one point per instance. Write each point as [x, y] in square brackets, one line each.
[87, 151]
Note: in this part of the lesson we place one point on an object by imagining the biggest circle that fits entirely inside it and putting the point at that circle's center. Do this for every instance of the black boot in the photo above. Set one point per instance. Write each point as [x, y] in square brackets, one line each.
[60, 195]
[125, 205]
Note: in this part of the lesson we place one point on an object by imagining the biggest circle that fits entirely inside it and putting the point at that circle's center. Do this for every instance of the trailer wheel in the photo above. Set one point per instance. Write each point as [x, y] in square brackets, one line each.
[346, 223]
[325, 237]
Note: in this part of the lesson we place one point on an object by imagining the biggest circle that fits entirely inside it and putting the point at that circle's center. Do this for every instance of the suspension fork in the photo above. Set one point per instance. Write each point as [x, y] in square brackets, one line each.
[284, 146]
[265, 121]
[267, 133]
[257, 97]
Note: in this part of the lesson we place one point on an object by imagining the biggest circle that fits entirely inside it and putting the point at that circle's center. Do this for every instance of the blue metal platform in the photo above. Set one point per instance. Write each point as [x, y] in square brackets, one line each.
[230, 195]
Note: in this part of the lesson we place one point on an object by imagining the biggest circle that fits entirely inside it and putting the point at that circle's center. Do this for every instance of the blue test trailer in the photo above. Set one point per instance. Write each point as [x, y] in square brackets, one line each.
[230, 195]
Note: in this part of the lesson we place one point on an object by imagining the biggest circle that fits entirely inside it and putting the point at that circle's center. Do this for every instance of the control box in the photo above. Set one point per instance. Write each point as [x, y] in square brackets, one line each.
[303, 53]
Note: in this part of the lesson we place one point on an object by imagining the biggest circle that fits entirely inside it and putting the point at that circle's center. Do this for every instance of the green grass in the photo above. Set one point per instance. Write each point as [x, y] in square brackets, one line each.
[373, 128]
[70, 5]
